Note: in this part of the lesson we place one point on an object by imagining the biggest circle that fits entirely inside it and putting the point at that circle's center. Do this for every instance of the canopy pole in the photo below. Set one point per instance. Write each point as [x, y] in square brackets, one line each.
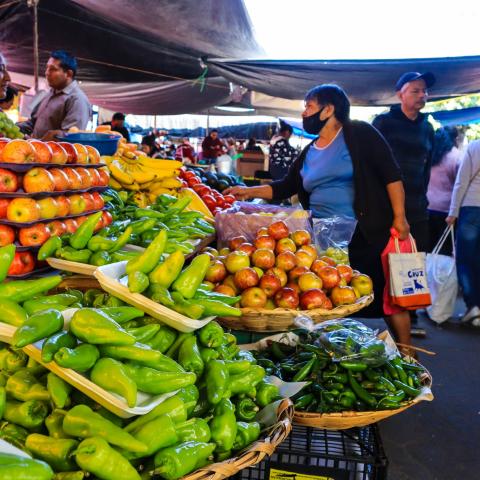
[208, 122]
[34, 4]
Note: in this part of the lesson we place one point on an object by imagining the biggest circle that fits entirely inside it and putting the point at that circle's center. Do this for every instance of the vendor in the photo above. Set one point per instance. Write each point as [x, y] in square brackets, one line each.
[64, 106]
[347, 170]
[4, 78]
[212, 147]
[117, 124]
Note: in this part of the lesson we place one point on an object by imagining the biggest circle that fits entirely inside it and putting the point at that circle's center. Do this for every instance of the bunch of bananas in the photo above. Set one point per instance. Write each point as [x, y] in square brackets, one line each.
[139, 173]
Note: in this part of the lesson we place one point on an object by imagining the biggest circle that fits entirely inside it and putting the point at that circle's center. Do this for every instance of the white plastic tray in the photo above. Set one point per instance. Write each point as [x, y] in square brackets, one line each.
[109, 278]
[115, 403]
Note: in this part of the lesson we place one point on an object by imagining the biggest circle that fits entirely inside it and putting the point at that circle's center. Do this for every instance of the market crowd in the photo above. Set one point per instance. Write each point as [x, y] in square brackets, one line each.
[395, 175]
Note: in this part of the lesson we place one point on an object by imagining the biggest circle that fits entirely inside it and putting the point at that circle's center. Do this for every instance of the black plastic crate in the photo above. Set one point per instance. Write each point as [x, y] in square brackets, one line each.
[355, 454]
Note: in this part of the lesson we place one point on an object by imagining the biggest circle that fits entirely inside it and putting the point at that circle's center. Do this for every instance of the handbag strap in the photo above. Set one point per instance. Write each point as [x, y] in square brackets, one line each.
[412, 243]
[448, 231]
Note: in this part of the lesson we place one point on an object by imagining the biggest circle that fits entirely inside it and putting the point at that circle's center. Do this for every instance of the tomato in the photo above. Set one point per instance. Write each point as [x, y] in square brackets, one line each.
[229, 198]
[216, 210]
[184, 184]
[216, 194]
[189, 174]
[222, 203]
[23, 262]
[209, 201]
[193, 181]
[203, 190]
[198, 187]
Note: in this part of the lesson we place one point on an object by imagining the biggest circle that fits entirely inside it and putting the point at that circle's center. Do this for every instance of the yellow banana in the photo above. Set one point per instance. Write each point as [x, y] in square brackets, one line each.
[170, 182]
[114, 184]
[118, 171]
[132, 186]
[140, 199]
[143, 176]
[158, 190]
[160, 164]
[129, 154]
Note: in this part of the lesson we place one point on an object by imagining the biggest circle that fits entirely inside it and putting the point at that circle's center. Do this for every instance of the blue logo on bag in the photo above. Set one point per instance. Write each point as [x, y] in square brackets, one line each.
[408, 291]
[417, 284]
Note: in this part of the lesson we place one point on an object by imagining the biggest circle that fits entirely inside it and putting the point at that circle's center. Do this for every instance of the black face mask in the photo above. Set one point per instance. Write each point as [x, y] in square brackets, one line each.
[312, 124]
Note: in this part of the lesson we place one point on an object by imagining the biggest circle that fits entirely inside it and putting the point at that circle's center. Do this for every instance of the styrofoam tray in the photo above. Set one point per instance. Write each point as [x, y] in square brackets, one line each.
[109, 279]
[24, 167]
[4, 221]
[109, 400]
[22, 194]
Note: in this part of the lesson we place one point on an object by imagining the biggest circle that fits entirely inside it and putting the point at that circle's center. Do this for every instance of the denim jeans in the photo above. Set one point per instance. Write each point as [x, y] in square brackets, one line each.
[468, 258]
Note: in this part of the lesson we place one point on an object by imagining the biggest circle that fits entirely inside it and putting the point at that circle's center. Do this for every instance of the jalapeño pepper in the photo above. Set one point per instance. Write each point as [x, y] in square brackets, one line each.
[72, 255]
[211, 335]
[22, 290]
[84, 232]
[223, 426]
[57, 452]
[246, 409]
[247, 433]
[189, 356]
[81, 358]
[49, 248]
[55, 342]
[38, 326]
[360, 392]
[217, 381]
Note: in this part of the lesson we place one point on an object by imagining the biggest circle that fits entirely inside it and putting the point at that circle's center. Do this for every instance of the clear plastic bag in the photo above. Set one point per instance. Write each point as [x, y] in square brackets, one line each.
[245, 218]
[332, 236]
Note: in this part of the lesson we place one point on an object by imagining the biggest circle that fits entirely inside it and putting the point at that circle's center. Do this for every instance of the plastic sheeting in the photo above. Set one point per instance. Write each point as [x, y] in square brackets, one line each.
[463, 116]
[367, 82]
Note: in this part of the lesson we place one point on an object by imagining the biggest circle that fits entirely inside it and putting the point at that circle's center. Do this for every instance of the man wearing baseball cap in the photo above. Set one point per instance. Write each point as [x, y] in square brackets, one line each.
[410, 136]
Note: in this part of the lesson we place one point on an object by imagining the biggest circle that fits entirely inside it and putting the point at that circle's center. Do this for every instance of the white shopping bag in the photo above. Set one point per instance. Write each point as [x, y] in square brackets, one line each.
[442, 280]
[408, 278]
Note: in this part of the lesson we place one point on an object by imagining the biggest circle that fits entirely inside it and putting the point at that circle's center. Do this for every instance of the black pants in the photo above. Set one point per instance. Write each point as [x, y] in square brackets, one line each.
[437, 226]
[421, 233]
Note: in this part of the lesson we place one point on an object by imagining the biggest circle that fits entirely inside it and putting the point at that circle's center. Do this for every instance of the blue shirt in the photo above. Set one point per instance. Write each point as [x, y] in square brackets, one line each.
[328, 177]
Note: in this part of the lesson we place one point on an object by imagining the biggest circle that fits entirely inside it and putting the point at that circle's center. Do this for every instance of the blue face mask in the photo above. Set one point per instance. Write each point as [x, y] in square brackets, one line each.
[312, 124]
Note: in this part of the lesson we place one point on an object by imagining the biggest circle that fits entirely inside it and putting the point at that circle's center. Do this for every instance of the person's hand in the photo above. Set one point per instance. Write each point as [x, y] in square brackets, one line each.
[239, 192]
[51, 135]
[451, 220]
[401, 225]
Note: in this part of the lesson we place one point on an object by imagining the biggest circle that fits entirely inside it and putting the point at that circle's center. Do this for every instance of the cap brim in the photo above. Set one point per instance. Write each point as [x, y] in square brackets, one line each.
[428, 78]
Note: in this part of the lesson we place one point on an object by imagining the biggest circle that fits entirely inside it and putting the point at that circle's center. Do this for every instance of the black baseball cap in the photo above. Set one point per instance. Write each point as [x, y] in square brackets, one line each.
[427, 77]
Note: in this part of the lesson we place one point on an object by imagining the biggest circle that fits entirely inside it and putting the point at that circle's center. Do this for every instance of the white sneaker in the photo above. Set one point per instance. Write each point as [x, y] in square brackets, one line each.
[472, 314]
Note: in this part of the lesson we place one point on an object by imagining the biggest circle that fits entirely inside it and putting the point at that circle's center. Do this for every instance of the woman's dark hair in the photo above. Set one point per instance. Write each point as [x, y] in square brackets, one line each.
[67, 61]
[445, 140]
[331, 94]
[12, 92]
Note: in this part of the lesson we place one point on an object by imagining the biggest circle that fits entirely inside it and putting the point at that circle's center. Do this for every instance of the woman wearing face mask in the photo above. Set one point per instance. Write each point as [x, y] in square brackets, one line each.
[347, 170]
[4, 78]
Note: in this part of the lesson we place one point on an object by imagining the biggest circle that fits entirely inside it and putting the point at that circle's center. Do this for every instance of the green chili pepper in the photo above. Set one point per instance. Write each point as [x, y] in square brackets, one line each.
[194, 429]
[187, 308]
[172, 351]
[149, 259]
[57, 452]
[211, 335]
[217, 308]
[164, 339]
[3, 400]
[189, 356]
[304, 371]
[55, 342]
[267, 393]
[246, 409]
[77, 475]
[372, 375]
[64, 299]
[347, 398]
[94, 455]
[142, 225]
[237, 366]
[393, 372]
[191, 277]
[12, 360]
[73, 255]
[242, 383]
[161, 295]
[7, 253]
[137, 282]
[223, 426]
[189, 396]
[304, 401]
[217, 381]
[208, 354]
[360, 392]
[84, 232]
[247, 433]
[121, 241]
[81, 358]
[29, 414]
[397, 363]
[54, 424]
[36, 327]
[100, 258]
[412, 392]
[202, 293]
[22, 385]
[49, 248]
[12, 313]
[353, 366]
[121, 313]
[94, 326]
[99, 243]
[14, 467]
[175, 462]
[387, 384]
[165, 273]
[22, 290]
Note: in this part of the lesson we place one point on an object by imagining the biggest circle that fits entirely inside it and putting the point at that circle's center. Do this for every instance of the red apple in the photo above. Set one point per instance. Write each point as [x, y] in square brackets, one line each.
[3, 142]
[81, 219]
[270, 284]
[93, 155]
[77, 204]
[23, 210]
[294, 286]
[246, 247]
[301, 237]
[345, 272]
[329, 276]
[82, 153]
[265, 241]
[263, 258]
[314, 298]
[223, 252]
[229, 282]
[63, 204]
[343, 296]
[304, 258]
[38, 180]
[89, 202]
[57, 228]
[216, 272]
[286, 261]
[59, 154]
[317, 265]
[48, 207]
[33, 236]
[235, 261]
[328, 260]
[278, 230]
[7, 235]
[246, 278]
[104, 177]
[71, 225]
[296, 272]
[235, 242]
[225, 289]
[362, 284]
[211, 250]
[43, 152]
[98, 201]
[71, 152]
[8, 181]
[96, 179]
[309, 280]
[285, 245]
[286, 298]
[85, 177]
[3, 207]
[18, 151]
[261, 231]
[62, 182]
[22, 263]
[281, 274]
[253, 297]
[311, 249]
[107, 218]
[74, 177]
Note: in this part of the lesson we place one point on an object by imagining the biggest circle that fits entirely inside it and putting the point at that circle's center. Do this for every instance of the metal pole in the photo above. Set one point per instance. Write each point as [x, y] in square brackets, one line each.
[208, 122]
[34, 4]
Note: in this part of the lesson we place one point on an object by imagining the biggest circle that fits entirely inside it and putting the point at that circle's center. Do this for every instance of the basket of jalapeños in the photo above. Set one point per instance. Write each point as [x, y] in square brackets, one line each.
[349, 386]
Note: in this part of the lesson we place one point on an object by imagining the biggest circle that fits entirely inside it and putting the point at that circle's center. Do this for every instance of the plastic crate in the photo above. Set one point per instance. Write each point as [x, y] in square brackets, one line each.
[355, 454]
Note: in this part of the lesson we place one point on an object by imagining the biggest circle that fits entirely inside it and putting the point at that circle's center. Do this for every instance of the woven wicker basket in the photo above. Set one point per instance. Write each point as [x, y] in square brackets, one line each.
[255, 453]
[344, 420]
[281, 319]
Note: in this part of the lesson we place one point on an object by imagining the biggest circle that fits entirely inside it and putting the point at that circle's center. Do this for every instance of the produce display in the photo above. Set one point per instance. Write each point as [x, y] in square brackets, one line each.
[218, 390]
[347, 368]
[281, 269]
[8, 129]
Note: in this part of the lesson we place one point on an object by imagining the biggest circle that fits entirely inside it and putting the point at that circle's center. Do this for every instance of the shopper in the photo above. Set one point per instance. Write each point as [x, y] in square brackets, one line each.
[347, 170]
[185, 152]
[282, 154]
[212, 147]
[64, 106]
[4, 77]
[252, 146]
[117, 124]
[232, 148]
[465, 206]
[7, 102]
[445, 161]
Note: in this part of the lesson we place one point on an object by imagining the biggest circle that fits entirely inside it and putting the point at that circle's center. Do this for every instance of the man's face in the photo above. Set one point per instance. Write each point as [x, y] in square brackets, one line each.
[214, 135]
[56, 76]
[117, 123]
[4, 78]
[414, 95]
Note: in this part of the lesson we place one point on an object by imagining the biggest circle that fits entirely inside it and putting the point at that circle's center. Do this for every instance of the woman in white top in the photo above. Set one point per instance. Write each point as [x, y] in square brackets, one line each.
[465, 206]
